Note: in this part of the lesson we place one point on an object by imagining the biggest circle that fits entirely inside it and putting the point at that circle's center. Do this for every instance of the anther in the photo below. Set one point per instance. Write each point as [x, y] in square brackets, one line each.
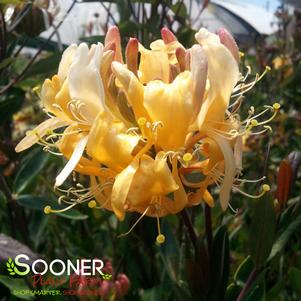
[142, 121]
[266, 187]
[92, 204]
[187, 157]
[47, 210]
[276, 106]
[254, 122]
[160, 239]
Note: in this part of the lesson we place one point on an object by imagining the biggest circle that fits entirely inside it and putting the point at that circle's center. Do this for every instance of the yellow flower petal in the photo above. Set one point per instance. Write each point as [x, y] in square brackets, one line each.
[172, 104]
[66, 62]
[153, 178]
[121, 188]
[133, 88]
[38, 132]
[85, 84]
[109, 144]
[73, 161]
[230, 169]
[223, 74]
[55, 97]
[154, 64]
[66, 146]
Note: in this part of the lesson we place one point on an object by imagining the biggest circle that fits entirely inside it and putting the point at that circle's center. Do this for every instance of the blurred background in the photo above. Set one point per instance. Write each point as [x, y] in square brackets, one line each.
[33, 35]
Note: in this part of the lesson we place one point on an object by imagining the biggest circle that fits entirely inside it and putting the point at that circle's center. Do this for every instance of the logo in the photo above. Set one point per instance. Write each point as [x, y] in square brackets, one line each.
[84, 267]
[11, 268]
[69, 277]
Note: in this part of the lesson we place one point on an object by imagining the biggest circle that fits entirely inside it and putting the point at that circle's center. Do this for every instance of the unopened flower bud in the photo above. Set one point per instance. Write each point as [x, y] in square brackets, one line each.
[104, 289]
[227, 39]
[125, 283]
[167, 36]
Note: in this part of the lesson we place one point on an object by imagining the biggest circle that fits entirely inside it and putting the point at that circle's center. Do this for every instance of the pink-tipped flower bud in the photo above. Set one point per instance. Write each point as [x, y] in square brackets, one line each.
[105, 288]
[167, 35]
[118, 290]
[113, 36]
[108, 268]
[227, 40]
[125, 283]
[110, 46]
[131, 55]
[181, 57]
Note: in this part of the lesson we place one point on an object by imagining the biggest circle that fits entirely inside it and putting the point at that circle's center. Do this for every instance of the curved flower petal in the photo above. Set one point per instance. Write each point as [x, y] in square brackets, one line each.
[121, 188]
[154, 64]
[153, 178]
[133, 88]
[199, 70]
[223, 74]
[109, 144]
[55, 98]
[66, 62]
[38, 132]
[230, 169]
[172, 104]
[69, 167]
[66, 145]
[85, 82]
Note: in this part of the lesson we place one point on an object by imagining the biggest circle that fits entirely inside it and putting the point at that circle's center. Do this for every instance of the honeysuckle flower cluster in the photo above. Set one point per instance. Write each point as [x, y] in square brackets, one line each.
[153, 132]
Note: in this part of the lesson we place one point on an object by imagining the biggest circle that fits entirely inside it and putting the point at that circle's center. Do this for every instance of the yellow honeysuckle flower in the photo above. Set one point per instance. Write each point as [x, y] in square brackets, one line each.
[145, 184]
[153, 134]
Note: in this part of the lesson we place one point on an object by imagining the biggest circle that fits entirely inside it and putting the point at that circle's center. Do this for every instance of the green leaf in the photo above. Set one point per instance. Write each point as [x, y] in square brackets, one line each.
[6, 62]
[10, 103]
[93, 39]
[232, 292]
[45, 65]
[180, 9]
[73, 214]
[30, 170]
[128, 27]
[262, 230]
[243, 271]
[274, 293]
[39, 203]
[15, 285]
[11, 1]
[219, 265]
[294, 276]
[283, 239]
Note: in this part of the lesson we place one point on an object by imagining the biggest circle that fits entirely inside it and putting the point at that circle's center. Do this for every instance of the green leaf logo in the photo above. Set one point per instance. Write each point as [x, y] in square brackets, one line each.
[10, 265]
[106, 276]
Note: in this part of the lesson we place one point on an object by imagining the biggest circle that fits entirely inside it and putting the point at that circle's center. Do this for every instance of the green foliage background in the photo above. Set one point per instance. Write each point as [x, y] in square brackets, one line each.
[258, 248]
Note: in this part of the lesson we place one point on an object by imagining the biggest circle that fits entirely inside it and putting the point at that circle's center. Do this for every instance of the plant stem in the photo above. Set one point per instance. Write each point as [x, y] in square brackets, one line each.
[248, 284]
[189, 226]
[208, 227]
